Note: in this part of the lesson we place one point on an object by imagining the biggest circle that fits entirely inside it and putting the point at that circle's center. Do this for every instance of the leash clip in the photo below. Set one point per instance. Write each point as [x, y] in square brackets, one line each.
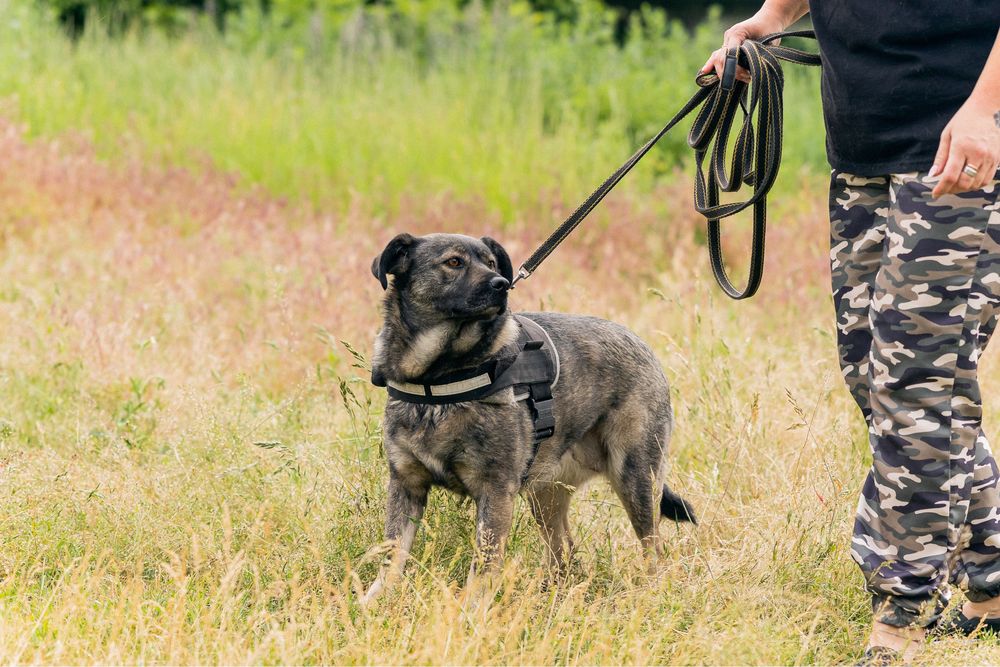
[522, 273]
[729, 71]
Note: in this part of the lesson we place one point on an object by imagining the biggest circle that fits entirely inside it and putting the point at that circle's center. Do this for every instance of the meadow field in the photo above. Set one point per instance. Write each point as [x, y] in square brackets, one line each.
[190, 459]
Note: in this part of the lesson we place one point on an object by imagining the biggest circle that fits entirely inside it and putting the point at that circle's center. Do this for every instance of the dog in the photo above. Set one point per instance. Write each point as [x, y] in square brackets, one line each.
[445, 311]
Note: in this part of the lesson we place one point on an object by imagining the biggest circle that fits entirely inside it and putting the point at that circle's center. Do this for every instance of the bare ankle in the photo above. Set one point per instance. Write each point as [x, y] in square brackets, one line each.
[985, 609]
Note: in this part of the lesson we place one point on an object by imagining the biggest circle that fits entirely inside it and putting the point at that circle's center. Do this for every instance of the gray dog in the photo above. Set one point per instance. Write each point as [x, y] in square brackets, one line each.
[446, 317]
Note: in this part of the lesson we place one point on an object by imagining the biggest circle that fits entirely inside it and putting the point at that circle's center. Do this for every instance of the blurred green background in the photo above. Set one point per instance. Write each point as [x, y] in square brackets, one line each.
[514, 105]
[171, 13]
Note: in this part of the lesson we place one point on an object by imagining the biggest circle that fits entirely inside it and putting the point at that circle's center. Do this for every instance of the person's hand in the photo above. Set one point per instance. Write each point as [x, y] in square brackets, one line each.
[971, 138]
[760, 24]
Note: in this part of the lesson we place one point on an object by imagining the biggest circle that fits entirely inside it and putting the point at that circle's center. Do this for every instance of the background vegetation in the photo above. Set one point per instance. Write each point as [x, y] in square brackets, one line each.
[190, 461]
[73, 14]
[497, 104]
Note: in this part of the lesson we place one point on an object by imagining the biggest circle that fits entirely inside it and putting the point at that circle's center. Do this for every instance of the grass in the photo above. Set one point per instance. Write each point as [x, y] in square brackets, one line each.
[190, 460]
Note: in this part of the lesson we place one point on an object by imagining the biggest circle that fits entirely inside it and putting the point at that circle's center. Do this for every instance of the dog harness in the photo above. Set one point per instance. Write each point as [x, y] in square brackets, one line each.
[532, 373]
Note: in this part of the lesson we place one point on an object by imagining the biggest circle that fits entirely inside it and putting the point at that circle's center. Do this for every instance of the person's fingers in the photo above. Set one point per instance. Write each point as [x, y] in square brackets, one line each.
[710, 63]
[942, 153]
[951, 172]
[984, 171]
[974, 158]
[988, 169]
[713, 63]
[733, 40]
[979, 180]
[965, 183]
[716, 61]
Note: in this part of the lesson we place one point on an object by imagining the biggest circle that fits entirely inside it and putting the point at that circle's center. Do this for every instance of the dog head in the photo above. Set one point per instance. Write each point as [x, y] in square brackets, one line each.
[446, 276]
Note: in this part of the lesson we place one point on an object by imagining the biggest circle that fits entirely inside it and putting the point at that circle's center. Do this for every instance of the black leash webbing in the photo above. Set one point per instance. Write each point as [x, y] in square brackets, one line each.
[756, 154]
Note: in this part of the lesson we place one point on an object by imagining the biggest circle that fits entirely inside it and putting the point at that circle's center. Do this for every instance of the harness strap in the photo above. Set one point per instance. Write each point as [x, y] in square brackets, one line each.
[532, 373]
[755, 160]
[540, 372]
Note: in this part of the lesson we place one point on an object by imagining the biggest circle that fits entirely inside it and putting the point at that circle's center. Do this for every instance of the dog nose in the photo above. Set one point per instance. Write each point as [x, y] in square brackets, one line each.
[499, 283]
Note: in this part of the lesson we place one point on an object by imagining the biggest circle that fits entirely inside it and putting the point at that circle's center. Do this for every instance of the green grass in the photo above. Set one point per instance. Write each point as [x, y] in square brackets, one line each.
[497, 107]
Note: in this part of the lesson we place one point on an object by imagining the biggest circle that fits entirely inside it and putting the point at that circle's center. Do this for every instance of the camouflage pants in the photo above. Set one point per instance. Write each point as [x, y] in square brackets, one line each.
[916, 284]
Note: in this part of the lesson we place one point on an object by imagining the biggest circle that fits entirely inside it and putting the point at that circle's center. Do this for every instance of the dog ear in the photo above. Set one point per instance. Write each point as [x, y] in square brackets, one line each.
[503, 259]
[394, 259]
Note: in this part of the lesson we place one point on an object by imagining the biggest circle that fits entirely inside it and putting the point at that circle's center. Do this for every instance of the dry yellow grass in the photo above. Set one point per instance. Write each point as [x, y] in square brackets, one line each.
[156, 325]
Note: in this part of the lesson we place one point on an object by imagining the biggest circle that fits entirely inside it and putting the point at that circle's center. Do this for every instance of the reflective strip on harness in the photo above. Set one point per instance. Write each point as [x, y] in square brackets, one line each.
[461, 386]
[407, 388]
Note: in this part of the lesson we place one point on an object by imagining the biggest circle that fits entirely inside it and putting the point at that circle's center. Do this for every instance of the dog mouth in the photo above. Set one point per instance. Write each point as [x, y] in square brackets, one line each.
[484, 312]
[483, 308]
[492, 311]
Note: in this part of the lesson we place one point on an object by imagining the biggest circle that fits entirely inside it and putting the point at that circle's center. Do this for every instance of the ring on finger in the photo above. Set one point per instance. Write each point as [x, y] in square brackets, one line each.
[970, 171]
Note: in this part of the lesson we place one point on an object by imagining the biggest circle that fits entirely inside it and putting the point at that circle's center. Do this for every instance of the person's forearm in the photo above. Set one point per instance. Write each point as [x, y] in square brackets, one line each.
[786, 11]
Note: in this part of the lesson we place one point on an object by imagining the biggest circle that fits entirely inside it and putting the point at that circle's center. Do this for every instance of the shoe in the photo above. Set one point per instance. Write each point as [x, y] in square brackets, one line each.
[960, 624]
[880, 656]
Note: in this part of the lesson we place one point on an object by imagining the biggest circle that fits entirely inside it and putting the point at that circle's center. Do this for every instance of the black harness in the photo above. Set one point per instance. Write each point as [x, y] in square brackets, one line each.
[532, 370]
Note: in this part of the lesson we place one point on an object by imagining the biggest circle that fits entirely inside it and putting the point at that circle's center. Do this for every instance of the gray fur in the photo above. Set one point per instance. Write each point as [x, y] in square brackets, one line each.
[612, 405]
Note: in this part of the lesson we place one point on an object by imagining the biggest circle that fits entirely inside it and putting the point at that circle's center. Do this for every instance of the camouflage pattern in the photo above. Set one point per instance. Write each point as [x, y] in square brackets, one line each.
[916, 284]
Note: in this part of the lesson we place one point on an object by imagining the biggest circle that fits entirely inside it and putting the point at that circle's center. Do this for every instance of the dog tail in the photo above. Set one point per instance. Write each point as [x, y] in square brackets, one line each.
[674, 507]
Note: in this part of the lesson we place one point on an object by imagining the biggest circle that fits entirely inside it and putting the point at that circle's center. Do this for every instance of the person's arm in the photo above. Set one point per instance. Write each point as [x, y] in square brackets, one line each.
[773, 16]
[972, 136]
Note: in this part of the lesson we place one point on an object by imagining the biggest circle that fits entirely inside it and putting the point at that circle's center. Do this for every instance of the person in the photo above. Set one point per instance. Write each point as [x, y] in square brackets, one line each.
[911, 101]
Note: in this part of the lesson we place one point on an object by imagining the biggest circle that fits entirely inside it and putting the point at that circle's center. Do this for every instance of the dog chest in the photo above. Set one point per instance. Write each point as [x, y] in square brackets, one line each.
[461, 447]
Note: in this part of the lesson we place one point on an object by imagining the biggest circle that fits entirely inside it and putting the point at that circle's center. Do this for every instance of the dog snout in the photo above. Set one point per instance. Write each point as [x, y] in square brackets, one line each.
[499, 284]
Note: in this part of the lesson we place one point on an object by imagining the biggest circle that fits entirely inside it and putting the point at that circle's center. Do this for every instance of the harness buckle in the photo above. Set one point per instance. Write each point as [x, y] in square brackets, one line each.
[543, 417]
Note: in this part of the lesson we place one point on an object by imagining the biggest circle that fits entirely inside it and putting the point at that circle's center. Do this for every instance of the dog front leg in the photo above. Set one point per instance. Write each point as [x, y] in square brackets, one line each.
[494, 514]
[404, 510]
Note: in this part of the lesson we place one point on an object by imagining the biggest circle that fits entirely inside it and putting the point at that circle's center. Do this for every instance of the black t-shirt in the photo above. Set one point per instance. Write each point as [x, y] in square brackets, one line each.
[894, 73]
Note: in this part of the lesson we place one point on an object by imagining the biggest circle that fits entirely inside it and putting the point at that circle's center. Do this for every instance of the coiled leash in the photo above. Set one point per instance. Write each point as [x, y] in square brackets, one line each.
[756, 154]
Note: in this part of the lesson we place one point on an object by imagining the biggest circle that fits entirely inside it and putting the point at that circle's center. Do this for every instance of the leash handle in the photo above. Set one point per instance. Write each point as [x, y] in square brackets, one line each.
[756, 154]
[729, 71]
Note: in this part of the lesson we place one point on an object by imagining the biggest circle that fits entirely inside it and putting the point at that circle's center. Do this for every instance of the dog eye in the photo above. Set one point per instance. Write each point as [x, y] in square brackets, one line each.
[492, 264]
[454, 262]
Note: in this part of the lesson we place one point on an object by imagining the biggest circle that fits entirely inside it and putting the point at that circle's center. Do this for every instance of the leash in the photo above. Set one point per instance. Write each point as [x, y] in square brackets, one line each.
[755, 160]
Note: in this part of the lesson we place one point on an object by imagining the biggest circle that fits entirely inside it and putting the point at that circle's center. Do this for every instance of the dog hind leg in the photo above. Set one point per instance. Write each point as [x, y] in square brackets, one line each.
[550, 506]
[636, 450]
